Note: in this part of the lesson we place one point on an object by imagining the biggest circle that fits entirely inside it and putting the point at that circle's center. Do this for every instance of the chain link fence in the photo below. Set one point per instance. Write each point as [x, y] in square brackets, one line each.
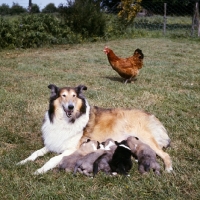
[167, 19]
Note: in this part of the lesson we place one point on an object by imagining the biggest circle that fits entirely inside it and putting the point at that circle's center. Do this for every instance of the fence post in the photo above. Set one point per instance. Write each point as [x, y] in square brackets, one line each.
[29, 5]
[165, 18]
[198, 22]
[195, 20]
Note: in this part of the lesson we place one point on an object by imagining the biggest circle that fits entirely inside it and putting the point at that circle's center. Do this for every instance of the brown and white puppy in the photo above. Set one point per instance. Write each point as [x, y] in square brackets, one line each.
[102, 163]
[145, 155]
[68, 162]
[70, 121]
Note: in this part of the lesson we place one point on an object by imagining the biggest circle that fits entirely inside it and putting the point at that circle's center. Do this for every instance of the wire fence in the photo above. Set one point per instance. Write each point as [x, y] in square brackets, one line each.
[167, 19]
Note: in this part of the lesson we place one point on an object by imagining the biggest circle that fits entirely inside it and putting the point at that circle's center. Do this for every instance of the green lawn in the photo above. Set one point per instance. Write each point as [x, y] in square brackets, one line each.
[168, 86]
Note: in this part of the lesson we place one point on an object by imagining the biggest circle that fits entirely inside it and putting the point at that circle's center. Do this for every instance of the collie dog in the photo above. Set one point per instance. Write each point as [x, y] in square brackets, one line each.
[70, 121]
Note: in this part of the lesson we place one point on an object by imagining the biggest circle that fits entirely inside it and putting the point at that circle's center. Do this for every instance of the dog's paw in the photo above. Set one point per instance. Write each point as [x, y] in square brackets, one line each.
[39, 171]
[169, 170]
[21, 162]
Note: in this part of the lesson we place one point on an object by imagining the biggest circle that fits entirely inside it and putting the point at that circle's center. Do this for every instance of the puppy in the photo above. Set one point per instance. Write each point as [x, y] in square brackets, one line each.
[121, 160]
[145, 155]
[68, 162]
[85, 164]
[102, 163]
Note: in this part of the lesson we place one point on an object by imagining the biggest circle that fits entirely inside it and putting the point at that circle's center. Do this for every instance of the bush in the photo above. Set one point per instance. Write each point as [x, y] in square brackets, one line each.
[34, 31]
[84, 17]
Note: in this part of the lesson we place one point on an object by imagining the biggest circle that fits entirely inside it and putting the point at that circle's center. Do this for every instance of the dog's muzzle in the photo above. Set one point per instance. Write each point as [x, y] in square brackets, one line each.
[69, 110]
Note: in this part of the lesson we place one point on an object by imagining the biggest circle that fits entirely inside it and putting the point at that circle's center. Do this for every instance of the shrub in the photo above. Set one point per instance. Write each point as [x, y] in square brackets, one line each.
[34, 31]
[84, 17]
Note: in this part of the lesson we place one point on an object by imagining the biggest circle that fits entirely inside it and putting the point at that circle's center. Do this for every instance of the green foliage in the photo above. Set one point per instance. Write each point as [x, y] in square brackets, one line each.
[35, 8]
[34, 31]
[129, 10]
[49, 8]
[4, 9]
[84, 17]
[16, 9]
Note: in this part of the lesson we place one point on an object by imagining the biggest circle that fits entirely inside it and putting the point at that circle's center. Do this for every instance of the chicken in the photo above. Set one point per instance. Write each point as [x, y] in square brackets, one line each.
[127, 68]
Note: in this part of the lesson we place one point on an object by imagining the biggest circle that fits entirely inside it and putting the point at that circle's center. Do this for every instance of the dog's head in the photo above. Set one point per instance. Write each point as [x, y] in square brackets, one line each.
[67, 100]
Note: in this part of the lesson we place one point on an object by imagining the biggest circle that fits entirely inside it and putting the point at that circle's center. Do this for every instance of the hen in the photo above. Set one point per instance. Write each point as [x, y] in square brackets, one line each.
[127, 68]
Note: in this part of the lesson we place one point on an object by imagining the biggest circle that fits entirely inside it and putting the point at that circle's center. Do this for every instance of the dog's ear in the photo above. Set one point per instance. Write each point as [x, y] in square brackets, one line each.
[81, 87]
[54, 90]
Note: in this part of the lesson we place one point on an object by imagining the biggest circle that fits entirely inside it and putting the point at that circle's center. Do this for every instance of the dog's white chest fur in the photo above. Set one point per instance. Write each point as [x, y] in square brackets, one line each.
[62, 135]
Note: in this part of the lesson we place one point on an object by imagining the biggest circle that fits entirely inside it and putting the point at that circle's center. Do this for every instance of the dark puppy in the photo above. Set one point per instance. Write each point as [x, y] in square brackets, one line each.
[102, 163]
[145, 155]
[121, 160]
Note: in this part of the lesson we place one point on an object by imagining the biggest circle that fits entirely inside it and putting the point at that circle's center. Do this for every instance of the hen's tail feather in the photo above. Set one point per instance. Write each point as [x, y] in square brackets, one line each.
[139, 51]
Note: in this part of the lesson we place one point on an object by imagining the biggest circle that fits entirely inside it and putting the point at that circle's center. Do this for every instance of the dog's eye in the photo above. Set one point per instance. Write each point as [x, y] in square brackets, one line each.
[64, 95]
[74, 95]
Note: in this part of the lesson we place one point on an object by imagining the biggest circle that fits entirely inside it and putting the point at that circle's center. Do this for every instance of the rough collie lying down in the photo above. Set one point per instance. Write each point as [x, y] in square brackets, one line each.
[70, 121]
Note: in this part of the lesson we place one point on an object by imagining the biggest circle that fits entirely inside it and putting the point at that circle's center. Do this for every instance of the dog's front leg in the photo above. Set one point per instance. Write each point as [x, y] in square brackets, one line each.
[53, 162]
[33, 156]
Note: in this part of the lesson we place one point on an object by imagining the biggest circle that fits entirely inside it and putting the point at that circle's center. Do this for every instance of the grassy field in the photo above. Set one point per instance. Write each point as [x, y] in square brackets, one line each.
[168, 86]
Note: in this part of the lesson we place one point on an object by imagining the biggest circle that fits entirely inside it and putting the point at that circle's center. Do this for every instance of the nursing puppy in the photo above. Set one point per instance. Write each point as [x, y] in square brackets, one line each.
[145, 155]
[102, 163]
[68, 162]
[70, 121]
[121, 161]
[85, 164]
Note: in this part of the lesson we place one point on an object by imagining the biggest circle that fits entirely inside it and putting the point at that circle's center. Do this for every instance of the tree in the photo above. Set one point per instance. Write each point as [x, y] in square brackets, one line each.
[16, 9]
[49, 8]
[35, 8]
[4, 9]
[84, 17]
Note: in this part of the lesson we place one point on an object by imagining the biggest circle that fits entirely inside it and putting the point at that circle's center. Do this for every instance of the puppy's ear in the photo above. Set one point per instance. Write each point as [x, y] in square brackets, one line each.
[54, 90]
[98, 145]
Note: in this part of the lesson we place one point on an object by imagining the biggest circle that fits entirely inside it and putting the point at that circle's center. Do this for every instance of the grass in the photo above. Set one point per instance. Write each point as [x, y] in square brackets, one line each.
[167, 86]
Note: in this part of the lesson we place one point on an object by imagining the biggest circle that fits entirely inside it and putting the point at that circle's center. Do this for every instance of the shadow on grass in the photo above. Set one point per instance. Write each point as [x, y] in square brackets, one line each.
[118, 79]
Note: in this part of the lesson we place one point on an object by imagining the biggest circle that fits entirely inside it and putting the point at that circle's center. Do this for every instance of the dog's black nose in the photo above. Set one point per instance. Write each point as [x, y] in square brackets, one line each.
[70, 107]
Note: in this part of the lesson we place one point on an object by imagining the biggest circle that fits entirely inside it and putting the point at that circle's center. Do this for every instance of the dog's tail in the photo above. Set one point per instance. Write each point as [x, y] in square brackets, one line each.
[96, 164]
